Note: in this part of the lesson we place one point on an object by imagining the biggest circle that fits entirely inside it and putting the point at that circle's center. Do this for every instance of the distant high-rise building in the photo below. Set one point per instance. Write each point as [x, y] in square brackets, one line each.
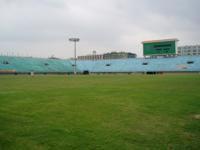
[188, 50]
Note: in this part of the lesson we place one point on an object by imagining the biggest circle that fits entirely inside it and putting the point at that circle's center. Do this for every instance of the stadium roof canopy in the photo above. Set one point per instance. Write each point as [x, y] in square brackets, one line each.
[162, 40]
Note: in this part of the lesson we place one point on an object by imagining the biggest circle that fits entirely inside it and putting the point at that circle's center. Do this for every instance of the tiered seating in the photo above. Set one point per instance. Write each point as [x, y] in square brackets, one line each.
[37, 65]
[175, 64]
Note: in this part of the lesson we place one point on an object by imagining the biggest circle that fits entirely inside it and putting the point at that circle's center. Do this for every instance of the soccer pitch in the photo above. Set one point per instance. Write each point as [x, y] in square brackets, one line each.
[100, 112]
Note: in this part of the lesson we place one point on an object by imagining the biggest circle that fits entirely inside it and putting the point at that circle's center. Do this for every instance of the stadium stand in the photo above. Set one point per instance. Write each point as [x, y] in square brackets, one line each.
[36, 65]
[141, 65]
[136, 65]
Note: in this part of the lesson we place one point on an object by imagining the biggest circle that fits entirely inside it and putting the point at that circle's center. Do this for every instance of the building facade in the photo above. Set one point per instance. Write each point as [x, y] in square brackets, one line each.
[91, 57]
[112, 55]
[191, 50]
[119, 55]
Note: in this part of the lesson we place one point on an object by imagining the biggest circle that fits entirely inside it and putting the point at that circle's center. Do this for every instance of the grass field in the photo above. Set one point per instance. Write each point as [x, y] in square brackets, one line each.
[100, 112]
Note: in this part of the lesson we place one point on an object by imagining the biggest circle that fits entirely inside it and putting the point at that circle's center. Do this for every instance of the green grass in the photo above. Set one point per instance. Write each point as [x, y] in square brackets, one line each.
[100, 112]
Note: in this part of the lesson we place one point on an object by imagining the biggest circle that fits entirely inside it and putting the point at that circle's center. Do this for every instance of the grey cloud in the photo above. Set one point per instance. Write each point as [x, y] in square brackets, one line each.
[43, 26]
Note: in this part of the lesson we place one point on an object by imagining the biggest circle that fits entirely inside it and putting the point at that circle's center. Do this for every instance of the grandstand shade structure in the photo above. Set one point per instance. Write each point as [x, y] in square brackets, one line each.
[159, 47]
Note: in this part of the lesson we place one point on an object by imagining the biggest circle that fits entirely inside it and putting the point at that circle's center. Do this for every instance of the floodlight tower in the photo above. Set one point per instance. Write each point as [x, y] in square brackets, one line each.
[75, 40]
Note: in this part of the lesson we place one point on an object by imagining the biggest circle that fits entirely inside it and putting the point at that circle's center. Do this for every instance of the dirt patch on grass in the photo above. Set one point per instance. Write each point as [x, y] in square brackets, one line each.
[197, 116]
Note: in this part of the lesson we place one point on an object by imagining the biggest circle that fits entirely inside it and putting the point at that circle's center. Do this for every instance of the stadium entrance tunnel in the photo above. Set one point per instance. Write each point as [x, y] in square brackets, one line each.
[85, 72]
[153, 73]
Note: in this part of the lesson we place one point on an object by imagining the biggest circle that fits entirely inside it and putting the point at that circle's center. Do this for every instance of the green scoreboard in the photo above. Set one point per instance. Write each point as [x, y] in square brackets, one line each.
[159, 47]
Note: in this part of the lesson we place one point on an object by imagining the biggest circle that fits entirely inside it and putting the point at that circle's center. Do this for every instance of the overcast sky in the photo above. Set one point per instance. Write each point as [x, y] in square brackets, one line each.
[41, 28]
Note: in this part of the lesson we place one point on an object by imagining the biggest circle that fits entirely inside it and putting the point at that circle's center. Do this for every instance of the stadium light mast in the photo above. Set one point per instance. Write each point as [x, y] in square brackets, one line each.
[75, 40]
